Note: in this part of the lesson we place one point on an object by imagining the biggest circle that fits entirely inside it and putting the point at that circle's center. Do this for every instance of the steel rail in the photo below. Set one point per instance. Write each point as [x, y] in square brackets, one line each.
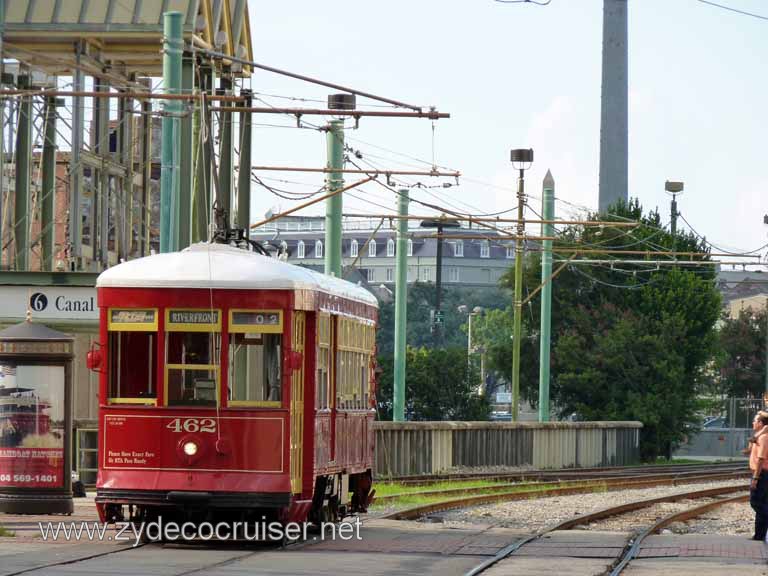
[575, 473]
[617, 511]
[632, 550]
[603, 484]
[536, 486]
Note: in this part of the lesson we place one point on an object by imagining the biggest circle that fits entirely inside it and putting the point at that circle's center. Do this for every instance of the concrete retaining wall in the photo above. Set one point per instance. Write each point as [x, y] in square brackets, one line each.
[412, 448]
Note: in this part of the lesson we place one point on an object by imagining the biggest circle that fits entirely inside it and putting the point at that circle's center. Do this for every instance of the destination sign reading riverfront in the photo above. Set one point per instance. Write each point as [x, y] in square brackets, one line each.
[193, 317]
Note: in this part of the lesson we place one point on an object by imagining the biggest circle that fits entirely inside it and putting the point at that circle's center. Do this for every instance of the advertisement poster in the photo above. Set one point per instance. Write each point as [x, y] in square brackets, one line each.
[31, 426]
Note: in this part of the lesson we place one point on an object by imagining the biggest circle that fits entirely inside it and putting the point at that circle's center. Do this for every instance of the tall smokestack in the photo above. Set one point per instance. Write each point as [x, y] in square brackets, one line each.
[614, 104]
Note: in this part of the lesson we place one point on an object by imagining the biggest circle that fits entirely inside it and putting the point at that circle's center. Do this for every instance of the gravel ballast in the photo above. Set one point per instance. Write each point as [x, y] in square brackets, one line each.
[536, 514]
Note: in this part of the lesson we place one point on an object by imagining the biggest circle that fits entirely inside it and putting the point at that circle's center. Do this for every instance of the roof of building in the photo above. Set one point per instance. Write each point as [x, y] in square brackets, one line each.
[224, 267]
[128, 32]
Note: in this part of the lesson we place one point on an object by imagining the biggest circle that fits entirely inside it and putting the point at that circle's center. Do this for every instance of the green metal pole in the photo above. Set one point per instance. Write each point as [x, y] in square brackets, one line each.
[21, 203]
[244, 175]
[224, 199]
[547, 230]
[517, 326]
[333, 206]
[185, 158]
[169, 182]
[48, 222]
[401, 299]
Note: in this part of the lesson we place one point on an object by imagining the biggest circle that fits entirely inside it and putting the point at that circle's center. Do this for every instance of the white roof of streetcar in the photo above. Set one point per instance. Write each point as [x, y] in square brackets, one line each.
[208, 265]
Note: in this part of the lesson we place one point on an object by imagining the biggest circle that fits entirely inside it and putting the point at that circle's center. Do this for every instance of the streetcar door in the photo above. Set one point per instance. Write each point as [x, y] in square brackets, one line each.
[298, 328]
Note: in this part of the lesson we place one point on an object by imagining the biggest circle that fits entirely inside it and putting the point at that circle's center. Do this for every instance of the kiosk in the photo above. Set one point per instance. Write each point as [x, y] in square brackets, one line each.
[35, 420]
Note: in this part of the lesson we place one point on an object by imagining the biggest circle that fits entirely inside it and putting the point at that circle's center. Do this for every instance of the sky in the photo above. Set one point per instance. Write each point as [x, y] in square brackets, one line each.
[520, 76]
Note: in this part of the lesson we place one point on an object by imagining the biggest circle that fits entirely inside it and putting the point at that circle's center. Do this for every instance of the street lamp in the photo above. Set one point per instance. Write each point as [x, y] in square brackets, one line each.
[521, 158]
[439, 223]
[673, 188]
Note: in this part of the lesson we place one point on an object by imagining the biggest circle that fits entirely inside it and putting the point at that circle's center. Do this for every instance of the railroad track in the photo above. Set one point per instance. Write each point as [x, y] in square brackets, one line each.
[634, 543]
[560, 474]
[696, 475]
[583, 487]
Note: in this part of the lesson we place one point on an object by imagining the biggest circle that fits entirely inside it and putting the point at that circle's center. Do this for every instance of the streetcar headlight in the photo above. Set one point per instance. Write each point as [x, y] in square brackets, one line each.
[190, 448]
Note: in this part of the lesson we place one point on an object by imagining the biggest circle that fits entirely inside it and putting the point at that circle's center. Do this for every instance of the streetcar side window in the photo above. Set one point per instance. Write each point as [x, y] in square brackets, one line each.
[323, 376]
[353, 364]
[132, 353]
[192, 349]
[255, 358]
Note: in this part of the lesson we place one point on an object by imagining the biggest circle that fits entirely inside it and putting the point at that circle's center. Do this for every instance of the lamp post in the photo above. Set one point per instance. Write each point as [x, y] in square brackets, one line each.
[439, 223]
[521, 158]
[673, 188]
[476, 311]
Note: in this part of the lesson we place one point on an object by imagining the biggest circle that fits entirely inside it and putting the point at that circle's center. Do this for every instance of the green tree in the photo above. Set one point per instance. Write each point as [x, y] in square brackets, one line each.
[742, 340]
[629, 341]
[439, 386]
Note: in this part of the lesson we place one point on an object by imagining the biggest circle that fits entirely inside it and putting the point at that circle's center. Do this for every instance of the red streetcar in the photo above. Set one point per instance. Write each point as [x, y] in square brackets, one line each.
[233, 386]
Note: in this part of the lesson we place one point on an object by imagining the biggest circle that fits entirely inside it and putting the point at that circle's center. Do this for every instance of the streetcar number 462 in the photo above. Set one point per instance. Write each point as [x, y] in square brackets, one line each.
[192, 425]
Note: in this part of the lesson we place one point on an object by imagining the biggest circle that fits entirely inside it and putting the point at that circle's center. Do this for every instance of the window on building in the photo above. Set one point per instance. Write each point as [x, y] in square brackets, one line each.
[318, 249]
[510, 251]
[390, 248]
[410, 247]
[371, 274]
[255, 350]
[192, 350]
[425, 274]
[453, 274]
[485, 249]
[372, 249]
[458, 248]
[301, 250]
[353, 249]
[390, 275]
[132, 353]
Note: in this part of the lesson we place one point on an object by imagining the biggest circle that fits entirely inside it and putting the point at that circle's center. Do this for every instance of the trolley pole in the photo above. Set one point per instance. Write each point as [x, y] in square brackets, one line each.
[548, 213]
[173, 45]
[333, 206]
[401, 298]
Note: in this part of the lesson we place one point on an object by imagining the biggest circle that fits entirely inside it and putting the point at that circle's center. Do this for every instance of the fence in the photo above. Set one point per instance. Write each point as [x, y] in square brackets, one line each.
[411, 448]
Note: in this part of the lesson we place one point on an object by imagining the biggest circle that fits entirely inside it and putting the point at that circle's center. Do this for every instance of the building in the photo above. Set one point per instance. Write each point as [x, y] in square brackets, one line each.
[471, 256]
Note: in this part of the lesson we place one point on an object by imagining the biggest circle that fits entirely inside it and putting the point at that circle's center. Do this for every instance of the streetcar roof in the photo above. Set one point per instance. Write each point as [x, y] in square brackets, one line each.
[209, 265]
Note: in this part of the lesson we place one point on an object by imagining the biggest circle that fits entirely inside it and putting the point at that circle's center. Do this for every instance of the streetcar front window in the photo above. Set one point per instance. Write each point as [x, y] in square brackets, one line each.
[192, 371]
[255, 358]
[192, 348]
[254, 368]
[132, 355]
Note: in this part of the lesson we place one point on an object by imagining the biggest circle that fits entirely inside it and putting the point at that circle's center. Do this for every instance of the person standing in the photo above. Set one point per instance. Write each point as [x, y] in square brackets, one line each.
[758, 487]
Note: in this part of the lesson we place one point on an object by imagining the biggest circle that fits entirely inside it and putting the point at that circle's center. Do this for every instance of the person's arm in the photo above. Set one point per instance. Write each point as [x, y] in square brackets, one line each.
[762, 455]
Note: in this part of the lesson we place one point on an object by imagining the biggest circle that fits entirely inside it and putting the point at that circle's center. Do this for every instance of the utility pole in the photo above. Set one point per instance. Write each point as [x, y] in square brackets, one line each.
[48, 219]
[521, 160]
[401, 299]
[333, 206]
[173, 46]
[21, 198]
[547, 230]
[437, 320]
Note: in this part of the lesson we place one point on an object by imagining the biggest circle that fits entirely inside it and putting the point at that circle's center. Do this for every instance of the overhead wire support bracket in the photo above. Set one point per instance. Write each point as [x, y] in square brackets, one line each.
[356, 114]
[387, 173]
[222, 56]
